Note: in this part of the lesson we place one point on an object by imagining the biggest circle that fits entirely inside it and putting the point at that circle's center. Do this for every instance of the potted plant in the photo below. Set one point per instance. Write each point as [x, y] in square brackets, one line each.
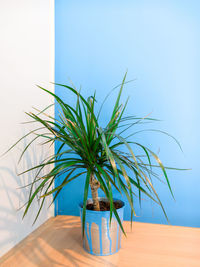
[96, 154]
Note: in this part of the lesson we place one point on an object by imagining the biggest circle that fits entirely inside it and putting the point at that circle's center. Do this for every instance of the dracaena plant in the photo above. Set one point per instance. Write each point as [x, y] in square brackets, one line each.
[104, 155]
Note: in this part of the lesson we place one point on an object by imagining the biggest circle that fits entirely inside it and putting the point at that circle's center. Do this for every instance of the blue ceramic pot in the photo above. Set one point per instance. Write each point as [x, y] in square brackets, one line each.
[102, 238]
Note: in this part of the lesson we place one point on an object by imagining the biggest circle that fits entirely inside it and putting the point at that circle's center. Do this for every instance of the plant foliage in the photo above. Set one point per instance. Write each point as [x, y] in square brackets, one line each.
[87, 148]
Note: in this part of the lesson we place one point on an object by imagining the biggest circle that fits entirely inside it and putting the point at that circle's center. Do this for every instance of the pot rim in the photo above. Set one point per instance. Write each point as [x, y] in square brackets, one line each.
[101, 211]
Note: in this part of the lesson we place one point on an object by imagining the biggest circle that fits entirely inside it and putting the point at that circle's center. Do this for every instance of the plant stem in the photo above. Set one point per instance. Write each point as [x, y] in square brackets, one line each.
[94, 184]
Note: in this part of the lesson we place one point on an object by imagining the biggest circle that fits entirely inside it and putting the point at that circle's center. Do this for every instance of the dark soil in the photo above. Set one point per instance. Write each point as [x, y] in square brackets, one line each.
[104, 206]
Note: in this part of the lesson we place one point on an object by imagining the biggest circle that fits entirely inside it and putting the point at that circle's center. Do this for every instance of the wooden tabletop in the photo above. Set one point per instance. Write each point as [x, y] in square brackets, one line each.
[58, 243]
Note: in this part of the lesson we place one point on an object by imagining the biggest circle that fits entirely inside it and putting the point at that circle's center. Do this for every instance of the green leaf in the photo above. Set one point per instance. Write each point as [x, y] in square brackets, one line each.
[98, 174]
[93, 149]
[65, 182]
[85, 200]
[34, 195]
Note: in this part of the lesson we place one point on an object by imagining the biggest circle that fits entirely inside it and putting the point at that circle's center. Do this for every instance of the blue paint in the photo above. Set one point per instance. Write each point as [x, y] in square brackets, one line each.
[101, 244]
[118, 247]
[90, 238]
[108, 234]
[158, 41]
[96, 217]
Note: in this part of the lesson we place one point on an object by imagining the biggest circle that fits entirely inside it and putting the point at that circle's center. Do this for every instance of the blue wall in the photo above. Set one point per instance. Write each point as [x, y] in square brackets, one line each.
[159, 43]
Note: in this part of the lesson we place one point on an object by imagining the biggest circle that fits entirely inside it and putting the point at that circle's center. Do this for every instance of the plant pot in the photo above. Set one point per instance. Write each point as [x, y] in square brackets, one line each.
[102, 238]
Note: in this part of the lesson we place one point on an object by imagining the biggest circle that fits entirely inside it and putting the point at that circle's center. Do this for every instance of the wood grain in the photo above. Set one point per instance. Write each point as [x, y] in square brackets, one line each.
[58, 243]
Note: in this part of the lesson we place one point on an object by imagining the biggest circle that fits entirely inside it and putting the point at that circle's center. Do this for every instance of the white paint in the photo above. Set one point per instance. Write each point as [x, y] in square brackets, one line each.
[26, 59]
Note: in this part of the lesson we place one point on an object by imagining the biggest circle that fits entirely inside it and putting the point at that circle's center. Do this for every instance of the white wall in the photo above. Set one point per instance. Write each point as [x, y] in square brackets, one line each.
[26, 59]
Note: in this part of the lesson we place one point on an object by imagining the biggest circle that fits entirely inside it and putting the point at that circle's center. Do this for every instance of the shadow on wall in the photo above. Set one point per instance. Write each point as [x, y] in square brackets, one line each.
[13, 197]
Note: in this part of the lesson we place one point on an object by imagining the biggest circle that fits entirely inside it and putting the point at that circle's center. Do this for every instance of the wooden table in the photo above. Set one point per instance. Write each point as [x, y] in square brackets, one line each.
[58, 243]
